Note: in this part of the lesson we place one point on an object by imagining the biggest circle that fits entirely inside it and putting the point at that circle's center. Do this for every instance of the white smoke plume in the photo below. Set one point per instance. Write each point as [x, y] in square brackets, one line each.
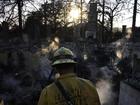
[105, 87]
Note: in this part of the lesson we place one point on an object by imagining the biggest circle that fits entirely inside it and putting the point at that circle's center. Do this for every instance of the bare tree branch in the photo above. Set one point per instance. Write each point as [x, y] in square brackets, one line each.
[12, 12]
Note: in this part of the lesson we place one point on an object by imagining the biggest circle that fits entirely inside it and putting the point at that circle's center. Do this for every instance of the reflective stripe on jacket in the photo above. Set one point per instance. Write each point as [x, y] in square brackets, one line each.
[81, 90]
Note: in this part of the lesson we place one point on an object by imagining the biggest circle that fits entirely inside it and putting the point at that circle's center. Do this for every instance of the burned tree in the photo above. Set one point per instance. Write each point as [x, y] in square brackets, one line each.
[112, 9]
[12, 11]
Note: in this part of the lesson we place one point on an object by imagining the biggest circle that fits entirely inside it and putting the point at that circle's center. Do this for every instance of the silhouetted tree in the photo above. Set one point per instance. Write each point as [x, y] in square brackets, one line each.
[51, 18]
[51, 13]
[112, 11]
[4, 31]
[33, 25]
[9, 12]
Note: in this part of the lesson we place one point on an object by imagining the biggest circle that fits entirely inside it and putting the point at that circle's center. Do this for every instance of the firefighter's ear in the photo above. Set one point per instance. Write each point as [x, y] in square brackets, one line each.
[57, 75]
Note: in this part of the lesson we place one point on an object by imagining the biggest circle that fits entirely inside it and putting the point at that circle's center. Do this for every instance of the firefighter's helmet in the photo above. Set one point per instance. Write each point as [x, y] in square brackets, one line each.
[62, 56]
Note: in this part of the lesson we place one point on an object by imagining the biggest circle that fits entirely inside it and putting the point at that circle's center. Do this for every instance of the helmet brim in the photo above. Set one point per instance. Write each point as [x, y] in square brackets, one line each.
[63, 61]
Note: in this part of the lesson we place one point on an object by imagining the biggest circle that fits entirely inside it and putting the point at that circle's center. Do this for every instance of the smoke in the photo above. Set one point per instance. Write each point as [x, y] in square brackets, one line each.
[129, 33]
[105, 87]
[9, 82]
[45, 67]
[22, 85]
[54, 45]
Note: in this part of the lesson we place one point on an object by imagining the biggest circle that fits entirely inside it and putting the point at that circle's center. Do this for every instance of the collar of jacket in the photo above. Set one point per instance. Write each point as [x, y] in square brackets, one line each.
[69, 75]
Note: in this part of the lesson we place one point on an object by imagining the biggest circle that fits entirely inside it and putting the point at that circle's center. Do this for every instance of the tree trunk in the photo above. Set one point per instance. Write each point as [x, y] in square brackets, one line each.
[19, 2]
[111, 24]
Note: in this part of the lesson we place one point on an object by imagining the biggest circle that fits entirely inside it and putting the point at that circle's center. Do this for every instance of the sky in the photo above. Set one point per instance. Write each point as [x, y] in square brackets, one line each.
[126, 19]
[87, 1]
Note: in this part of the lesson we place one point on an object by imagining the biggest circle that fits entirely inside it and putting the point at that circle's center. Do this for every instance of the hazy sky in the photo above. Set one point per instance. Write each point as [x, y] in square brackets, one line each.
[126, 19]
[87, 1]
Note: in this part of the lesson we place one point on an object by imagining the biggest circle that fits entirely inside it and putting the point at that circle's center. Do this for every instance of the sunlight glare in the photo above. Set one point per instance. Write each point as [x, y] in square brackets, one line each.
[128, 36]
[74, 14]
[56, 39]
[119, 54]
[54, 45]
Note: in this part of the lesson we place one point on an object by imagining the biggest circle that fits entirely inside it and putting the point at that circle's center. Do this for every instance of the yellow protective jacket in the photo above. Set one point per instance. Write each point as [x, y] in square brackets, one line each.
[82, 91]
[1, 102]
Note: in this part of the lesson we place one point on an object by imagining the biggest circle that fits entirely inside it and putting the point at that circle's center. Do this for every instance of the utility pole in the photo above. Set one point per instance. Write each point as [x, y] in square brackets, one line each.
[45, 9]
[81, 9]
[20, 4]
[134, 18]
[133, 35]
[102, 37]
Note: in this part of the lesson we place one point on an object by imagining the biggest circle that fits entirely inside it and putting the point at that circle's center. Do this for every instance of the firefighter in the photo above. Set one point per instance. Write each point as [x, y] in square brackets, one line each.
[68, 89]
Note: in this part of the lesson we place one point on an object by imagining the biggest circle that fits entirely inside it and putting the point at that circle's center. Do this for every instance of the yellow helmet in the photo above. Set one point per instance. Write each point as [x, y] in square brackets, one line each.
[63, 55]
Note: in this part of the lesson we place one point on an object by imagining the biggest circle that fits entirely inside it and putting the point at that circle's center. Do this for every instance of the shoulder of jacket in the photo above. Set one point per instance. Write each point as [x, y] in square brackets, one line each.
[85, 80]
[88, 82]
[48, 87]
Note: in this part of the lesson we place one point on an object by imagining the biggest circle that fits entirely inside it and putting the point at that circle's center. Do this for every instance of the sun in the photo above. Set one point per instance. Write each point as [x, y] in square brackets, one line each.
[74, 14]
